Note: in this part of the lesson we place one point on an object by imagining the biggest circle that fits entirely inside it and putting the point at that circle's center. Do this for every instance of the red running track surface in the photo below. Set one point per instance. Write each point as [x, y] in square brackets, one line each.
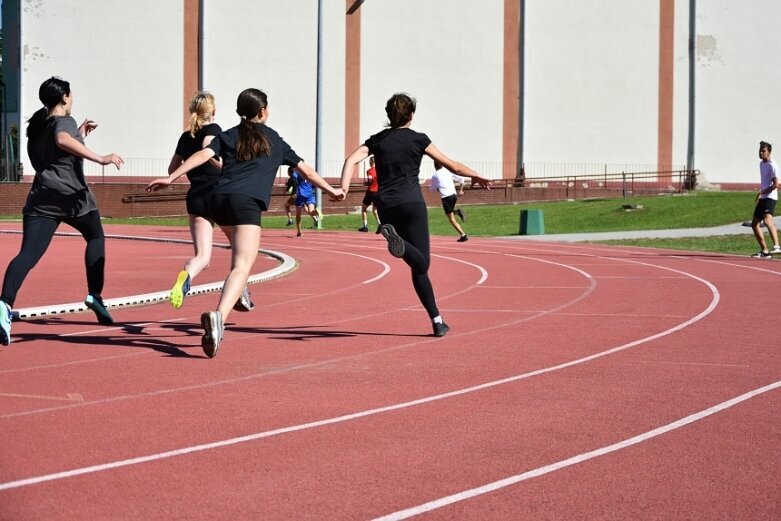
[578, 382]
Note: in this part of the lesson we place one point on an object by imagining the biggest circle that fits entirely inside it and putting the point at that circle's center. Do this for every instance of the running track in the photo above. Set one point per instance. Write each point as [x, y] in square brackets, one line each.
[578, 382]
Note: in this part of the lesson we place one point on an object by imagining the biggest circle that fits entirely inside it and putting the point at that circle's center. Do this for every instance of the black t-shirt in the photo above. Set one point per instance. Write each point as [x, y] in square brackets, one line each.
[255, 177]
[398, 152]
[59, 189]
[204, 176]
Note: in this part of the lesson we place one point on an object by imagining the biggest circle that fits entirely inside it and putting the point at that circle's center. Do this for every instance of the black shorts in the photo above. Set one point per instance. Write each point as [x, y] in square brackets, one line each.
[368, 198]
[449, 203]
[235, 209]
[765, 207]
[198, 204]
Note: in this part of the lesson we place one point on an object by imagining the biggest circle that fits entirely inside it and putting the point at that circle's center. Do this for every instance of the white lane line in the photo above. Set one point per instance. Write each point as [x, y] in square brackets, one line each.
[385, 265]
[363, 414]
[574, 460]
[483, 271]
[263, 374]
[287, 264]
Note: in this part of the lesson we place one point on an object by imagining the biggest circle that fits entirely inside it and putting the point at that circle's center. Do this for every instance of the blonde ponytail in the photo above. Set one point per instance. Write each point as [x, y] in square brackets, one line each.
[201, 109]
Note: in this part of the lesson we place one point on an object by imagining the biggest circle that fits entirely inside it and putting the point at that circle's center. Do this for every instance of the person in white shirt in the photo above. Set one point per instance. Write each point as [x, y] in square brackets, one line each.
[766, 202]
[445, 182]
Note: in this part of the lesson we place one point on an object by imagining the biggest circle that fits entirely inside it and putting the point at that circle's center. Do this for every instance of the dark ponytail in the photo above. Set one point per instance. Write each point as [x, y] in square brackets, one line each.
[37, 123]
[252, 142]
[50, 93]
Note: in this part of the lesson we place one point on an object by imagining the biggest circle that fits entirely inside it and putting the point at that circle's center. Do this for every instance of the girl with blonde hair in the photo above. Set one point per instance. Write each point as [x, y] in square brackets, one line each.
[201, 130]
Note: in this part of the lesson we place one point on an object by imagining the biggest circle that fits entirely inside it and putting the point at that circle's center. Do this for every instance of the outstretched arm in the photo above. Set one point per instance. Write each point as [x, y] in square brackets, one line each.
[315, 178]
[193, 161]
[454, 166]
[72, 145]
[348, 169]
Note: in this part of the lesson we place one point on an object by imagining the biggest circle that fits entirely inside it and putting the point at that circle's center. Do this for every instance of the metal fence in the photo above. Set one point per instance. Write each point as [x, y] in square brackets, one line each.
[576, 177]
[579, 186]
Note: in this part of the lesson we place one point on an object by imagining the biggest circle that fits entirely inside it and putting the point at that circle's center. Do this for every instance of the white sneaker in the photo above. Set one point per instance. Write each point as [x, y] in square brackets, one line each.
[213, 331]
[5, 324]
[244, 303]
[776, 249]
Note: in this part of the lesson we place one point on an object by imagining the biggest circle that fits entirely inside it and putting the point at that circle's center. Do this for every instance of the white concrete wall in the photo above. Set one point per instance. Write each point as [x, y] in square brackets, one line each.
[591, 82]
[272, 45]
[738, 87]
[124, 63]
[448, 55]
[591, 73]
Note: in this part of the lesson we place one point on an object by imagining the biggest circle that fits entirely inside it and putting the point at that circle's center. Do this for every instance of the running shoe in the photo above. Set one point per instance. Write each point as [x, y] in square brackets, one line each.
[440, 329]
[289, 223]
[363, 229]
[180, 289]
[379, 229]
[762, 255]
[463, 238]
[213, 331]
[461, 215]
[395, 242]
[95, 303]
[244, 303]
[5, 324]
[776, 249]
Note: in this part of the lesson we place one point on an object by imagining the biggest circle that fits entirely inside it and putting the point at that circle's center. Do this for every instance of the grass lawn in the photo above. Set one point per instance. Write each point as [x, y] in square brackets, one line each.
[693, 210]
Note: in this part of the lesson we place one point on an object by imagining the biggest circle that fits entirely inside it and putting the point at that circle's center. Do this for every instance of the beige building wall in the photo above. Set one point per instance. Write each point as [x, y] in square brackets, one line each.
[605, 81]
[124, 62]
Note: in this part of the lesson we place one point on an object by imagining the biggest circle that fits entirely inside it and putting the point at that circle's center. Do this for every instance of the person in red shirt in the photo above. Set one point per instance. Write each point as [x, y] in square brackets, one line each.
[368, 198]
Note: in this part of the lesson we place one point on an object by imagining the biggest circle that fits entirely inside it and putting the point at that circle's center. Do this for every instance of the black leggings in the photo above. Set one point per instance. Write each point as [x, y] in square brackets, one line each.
[411, 223]
[37, 235]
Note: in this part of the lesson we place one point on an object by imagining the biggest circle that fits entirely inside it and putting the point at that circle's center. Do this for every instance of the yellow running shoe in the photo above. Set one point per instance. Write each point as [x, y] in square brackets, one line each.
[180, 289]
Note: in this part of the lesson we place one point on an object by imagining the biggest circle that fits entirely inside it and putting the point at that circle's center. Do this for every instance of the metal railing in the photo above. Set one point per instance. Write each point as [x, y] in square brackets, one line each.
[583, 185]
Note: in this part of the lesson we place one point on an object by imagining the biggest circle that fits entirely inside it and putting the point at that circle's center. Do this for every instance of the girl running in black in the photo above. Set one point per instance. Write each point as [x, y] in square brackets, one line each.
[59, 194]
[251, 156]
[200, 132]
[398, 151]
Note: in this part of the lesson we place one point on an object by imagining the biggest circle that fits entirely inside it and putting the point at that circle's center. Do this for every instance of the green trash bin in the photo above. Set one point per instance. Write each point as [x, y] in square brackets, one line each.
[532, 222]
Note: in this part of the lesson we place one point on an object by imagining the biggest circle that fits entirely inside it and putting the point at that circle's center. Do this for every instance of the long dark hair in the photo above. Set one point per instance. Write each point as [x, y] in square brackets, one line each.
[399, 109]
[252, 142]
[50, 93]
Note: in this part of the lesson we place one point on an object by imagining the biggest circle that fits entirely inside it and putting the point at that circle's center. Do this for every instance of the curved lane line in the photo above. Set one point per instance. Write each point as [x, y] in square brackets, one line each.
[288, 263]
[483, 271]
[378, 410]
[404, 346]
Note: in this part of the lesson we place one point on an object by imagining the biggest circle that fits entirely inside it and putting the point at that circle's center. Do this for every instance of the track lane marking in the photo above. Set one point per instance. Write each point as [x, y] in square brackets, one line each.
[574, 460]
[370, 412]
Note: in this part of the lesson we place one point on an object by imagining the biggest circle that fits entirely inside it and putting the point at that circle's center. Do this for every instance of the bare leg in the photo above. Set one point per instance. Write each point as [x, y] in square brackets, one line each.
[244, 252]
[771, 227]
[298, 220]
[758, 234]
[452, 218]
[202, 233]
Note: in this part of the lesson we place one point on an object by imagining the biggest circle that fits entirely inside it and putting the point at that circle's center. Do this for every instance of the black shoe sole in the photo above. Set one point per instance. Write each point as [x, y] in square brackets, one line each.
[395, 242]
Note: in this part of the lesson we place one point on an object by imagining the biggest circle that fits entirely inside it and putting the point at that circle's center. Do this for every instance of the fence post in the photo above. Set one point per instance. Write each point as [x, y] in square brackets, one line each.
[623, 184]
